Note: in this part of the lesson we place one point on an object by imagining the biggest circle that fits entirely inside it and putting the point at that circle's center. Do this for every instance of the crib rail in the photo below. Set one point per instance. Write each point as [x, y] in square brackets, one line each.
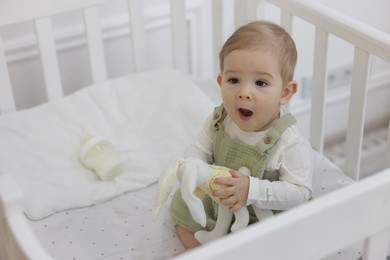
[314, 224]
[18, 241]
[366, 41]
[41, 12]
[16, 11]
[367, 202]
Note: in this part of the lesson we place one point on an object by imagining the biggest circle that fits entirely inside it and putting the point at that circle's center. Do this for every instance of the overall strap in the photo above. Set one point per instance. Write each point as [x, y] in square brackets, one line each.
[273, 134]
[218, 117]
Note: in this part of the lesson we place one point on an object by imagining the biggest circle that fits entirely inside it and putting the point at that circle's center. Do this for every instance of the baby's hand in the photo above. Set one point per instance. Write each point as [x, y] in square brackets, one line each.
[235, 195]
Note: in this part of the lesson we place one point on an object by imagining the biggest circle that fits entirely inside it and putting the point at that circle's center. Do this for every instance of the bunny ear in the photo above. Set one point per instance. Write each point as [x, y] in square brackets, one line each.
[165, 186]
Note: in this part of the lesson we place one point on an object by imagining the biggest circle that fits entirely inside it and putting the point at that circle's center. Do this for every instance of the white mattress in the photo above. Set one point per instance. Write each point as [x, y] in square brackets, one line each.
[150, 118]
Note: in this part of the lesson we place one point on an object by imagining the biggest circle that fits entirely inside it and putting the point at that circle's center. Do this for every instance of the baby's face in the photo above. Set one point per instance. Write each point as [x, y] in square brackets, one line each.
[252, 88]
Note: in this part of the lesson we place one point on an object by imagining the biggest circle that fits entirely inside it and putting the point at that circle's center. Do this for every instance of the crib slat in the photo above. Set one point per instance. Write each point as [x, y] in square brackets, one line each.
[43, 30]
[357, 108]
[317, 119]
[286, 21]
[243, 12]
[138, 36]
[261, 9]
[251, 10]
[239, 13]
[217, 32]
[7, 103]
[180, 35]
[387, 155]
[357, 33]
[375, 247]
[95, 44]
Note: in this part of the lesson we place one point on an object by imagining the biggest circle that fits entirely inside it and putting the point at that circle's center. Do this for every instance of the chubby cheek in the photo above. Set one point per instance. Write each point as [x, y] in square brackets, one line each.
[267, 108]
[229, 104]
[271, 99]
[227, 97]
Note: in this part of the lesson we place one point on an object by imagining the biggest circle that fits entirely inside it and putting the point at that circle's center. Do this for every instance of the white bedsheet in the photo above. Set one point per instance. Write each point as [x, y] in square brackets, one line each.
[123, 228]
[150, 118]
[119, 229]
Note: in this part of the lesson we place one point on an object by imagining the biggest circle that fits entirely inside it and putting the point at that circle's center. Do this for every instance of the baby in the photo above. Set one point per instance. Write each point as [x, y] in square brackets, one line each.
[250, 129]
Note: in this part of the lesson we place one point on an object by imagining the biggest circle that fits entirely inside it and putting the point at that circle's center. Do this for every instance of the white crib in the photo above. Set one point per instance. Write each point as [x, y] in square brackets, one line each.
[357, 213]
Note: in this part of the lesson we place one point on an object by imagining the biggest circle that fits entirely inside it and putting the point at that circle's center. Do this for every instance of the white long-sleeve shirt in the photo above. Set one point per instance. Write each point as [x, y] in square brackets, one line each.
[288, 171]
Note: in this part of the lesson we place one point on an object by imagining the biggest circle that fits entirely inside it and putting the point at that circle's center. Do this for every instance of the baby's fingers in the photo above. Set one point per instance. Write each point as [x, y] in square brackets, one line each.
[228, 201]
[231, 203]
[223, 193]
[224, 181]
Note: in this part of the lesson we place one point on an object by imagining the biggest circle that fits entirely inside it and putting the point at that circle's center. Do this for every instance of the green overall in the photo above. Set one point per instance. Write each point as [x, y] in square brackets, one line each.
[233, 154]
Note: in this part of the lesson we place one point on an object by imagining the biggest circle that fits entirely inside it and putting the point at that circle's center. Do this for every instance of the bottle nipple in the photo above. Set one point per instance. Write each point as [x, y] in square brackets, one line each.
[97, 154]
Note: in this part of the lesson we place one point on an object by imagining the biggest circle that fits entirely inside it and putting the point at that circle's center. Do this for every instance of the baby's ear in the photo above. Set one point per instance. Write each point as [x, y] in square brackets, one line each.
[219, 79]
[288, 91]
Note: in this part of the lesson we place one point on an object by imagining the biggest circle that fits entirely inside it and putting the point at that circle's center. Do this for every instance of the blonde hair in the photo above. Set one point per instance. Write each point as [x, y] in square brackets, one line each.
[263, 34]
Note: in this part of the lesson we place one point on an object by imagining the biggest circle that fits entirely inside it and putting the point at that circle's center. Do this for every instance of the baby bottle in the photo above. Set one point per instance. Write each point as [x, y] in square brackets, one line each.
[97, 154]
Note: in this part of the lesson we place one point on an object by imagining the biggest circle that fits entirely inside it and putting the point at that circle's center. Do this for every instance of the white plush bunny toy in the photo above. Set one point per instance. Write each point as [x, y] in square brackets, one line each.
[196, 179]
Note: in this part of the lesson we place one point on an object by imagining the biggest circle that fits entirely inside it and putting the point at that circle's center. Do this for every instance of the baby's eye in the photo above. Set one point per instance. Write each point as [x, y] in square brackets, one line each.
[261, 83]
[233, 81]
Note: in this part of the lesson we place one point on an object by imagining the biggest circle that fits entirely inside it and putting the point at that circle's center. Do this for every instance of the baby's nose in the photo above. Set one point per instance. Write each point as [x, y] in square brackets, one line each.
[245, 93]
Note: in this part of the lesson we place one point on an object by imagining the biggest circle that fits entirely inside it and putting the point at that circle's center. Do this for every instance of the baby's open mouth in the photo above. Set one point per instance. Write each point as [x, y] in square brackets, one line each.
[245, 112]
